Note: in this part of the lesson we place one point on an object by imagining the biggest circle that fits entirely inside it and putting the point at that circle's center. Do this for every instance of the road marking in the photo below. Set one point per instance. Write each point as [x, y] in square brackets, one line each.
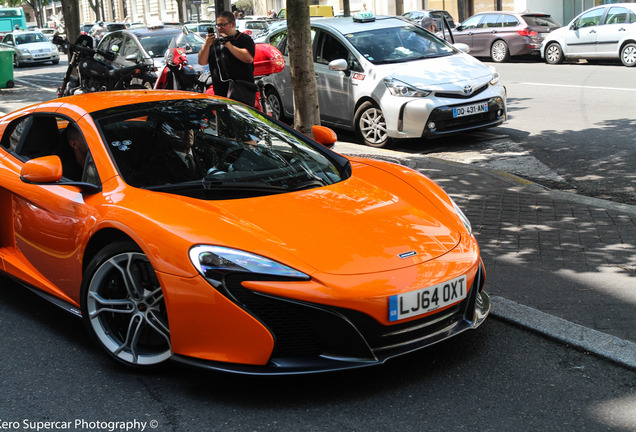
[578, 86]
[27, 82]
[602, 344]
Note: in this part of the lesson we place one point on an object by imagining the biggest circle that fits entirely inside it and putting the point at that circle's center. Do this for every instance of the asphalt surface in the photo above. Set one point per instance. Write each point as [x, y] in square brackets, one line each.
[560, 264]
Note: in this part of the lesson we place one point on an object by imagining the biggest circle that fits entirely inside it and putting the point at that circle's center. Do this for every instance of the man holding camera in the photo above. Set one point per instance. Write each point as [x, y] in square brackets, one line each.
[231, 60]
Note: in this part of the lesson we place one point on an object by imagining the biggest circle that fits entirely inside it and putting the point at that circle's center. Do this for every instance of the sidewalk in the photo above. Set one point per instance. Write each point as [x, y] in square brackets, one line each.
[571, 259]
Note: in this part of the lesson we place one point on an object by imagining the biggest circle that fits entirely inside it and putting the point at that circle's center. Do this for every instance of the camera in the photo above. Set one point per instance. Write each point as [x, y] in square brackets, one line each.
[219, 38]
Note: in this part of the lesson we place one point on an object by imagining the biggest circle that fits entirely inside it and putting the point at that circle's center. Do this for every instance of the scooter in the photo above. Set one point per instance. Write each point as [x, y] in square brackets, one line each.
[178, 74]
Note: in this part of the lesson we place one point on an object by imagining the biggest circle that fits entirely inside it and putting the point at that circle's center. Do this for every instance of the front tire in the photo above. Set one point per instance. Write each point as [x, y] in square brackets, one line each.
[554, 54]
[499, 52]
[628, 55]
[275, 104]
[16, 62]
[371, 125]
[123, 306]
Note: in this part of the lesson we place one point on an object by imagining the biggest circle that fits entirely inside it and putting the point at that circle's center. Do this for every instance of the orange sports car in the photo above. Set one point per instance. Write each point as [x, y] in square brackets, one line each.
[185, 227]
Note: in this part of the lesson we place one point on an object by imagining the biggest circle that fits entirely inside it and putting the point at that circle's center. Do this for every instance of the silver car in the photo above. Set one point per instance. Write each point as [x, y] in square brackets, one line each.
[389, 79]
[30, 47]
[603, 32]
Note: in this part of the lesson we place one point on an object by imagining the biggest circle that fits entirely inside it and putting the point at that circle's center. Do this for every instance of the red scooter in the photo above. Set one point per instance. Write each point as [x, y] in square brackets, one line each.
[178, 74]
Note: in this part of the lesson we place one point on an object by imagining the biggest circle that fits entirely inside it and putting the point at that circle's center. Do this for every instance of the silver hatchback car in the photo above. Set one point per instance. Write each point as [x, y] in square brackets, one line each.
[389, 79]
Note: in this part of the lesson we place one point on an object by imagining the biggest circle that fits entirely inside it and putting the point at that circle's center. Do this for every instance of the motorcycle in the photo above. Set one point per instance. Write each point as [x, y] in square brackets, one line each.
[177, 73]
[88, 73]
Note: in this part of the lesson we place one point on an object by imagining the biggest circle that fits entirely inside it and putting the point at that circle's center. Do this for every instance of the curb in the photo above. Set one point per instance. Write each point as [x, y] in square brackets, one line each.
[610, 347]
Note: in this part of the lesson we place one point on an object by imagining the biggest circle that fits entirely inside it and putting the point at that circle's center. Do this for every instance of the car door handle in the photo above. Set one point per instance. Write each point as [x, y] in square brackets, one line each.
[592, 31]
[622, 29]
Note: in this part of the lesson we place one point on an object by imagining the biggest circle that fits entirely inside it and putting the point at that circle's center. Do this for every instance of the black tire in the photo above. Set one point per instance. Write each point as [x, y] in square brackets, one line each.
[499, 51]
[628, 54]
[371, 125]
[16, 62]
[123, 307]
[554, 53]
[275, 104]
[55, 62]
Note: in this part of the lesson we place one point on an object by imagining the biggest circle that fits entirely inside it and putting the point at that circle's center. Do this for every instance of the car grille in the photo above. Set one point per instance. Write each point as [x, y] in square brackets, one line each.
[305, 330]
[461, 95]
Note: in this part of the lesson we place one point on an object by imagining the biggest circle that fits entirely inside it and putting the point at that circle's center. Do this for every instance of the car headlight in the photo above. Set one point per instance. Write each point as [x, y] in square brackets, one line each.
[53, 49]
[495, 78]
[463, 217]
[24, 51]
[214, 262]
[399, 88]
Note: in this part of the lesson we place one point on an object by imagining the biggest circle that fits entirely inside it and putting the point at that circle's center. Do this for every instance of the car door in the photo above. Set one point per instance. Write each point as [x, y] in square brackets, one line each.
[580, 40]
[49, 221]
[334, 86]
[614, 27]
[464, 33]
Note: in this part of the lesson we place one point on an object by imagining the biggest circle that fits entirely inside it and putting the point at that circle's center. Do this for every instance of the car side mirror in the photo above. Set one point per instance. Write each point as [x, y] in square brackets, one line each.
[338, 65]
[574, 26]
[462, 47]
[47, 170]
[325, 136]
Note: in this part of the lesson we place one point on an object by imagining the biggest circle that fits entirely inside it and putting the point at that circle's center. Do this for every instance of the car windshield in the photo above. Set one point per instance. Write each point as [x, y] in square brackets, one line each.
[234, 151]
[156, 45]
[398, 44]
[30, 38]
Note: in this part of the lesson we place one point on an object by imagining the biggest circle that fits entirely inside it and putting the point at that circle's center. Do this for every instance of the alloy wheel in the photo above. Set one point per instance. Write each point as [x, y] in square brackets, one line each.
[126, 310]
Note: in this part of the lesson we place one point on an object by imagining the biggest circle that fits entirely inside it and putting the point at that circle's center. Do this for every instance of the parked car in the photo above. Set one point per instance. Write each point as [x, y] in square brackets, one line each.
[603, 32]
[501, 35]
[436, 15]
[270, 255]
[200, 28]
[387, 79]
[49, 33]
[106, 28]
[30, 47]
[252, 27]
[150, 43]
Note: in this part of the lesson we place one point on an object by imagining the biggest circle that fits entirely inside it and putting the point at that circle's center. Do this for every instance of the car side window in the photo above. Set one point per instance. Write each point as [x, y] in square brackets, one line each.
[509, 21]
[590, 18]
[10, 140]
[279, 40]
[471, 23]
[617, 15]
[329, 49]
[491, 21]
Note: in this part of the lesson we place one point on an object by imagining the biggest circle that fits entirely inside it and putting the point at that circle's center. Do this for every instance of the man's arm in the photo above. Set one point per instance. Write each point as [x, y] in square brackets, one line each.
[204, 53]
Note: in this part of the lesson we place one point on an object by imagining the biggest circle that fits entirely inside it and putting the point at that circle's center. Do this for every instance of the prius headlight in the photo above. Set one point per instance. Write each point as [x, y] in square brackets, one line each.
[214, 262]
[463, 217]
[399, 88]
[495, 79]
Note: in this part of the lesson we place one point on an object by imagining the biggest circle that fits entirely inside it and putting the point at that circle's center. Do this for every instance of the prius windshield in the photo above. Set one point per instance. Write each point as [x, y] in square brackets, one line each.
[398, 44]
[211, 149]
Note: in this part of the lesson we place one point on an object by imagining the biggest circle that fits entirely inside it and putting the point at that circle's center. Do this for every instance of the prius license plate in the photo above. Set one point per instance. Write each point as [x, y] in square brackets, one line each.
[427, 299]
[470, 109]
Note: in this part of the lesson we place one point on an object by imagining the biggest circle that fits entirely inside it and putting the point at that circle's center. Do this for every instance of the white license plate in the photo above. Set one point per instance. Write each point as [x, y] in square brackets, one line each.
[427, 299]
[470, 109]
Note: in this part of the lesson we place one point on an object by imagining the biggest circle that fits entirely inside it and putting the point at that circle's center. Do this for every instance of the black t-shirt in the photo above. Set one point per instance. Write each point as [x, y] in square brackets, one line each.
[231, 67]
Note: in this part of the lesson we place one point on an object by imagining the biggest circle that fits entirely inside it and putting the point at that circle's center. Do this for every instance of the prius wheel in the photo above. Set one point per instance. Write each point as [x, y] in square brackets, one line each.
[628, 55]
[499, 51]
[554, 53]
[275, 104]
[123, 306]
[371, 125]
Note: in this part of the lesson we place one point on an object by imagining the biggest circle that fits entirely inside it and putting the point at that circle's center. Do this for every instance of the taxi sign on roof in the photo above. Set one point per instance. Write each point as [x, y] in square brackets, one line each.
[363, 16]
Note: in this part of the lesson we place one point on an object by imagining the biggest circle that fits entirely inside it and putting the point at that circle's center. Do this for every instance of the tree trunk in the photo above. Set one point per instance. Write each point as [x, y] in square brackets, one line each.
[71, 12]
[303, 77]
